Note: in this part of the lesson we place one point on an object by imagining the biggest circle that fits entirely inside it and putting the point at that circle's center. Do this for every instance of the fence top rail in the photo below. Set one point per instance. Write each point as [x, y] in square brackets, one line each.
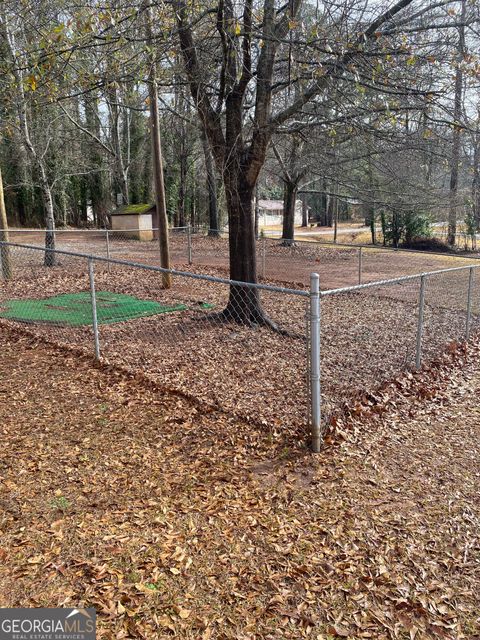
[392, 281]
[173, 272]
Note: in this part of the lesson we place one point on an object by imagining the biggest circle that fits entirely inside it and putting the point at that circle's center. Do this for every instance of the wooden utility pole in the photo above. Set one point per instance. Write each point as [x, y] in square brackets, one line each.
[5, 261]
[335, 213]
[157, 158]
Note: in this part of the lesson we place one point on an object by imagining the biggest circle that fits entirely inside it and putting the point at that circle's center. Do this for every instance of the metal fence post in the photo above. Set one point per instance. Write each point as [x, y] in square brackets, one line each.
[360, 260]
[421, 309]
[469, 302]
[315, 391]
[189, 244]
[93, 297]
[107, 241]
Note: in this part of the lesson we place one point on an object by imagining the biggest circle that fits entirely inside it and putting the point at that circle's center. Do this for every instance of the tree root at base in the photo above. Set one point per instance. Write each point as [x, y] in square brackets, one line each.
[253, 320]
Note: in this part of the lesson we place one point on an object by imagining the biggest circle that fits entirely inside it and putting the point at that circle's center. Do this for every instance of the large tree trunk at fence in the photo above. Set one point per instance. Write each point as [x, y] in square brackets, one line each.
[289, 201]
[244, 304]
[5, 258]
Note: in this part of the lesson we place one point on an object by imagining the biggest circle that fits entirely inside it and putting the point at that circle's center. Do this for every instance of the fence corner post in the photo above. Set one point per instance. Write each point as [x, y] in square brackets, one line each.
[315, 391]
[93, 298]
[421, 310]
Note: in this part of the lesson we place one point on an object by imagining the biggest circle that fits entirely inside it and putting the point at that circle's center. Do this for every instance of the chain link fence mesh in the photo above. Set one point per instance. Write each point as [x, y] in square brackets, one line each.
[368, 335]
[372, 333]
[339, 265]
[446, 298]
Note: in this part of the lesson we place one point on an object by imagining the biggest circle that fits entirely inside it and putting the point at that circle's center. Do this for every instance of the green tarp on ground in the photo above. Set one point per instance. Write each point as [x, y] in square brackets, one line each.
[75, 309]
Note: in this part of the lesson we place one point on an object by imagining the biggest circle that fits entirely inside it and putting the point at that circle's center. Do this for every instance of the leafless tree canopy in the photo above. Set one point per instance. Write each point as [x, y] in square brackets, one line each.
[343, 101]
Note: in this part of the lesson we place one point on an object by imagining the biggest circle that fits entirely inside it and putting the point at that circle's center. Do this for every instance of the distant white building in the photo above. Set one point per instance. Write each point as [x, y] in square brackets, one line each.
[270, 212]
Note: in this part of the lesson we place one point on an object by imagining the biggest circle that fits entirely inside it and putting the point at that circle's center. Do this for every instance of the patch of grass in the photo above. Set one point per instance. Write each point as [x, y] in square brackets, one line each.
[61, 503]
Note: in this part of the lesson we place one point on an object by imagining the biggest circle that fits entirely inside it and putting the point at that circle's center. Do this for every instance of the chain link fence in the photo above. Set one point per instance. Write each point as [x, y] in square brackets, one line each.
[338, 265]
[370, 333]
[326, 348]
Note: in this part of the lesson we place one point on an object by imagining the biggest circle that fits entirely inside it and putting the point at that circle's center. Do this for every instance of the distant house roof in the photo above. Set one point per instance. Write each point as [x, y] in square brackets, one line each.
[271, 205]
[133, 209]
[276, 205]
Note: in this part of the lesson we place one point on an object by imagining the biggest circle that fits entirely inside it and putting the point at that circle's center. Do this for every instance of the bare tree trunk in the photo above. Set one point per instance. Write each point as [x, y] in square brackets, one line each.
[292, 173]
[371, 203]
[244, 304]
[49, 259]
[96, 184]
[213, 221]
[37, 158]
[193, 199]
[304, 212]
[121, 171]
[457, 114]
[5, 258]
[323, 217]
[289, 201]
[182, 188]
[330, 209]
[335, 216]
[476, 174]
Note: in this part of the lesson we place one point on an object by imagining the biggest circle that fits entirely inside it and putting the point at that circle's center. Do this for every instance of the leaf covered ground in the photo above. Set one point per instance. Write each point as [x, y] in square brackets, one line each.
[175, 521]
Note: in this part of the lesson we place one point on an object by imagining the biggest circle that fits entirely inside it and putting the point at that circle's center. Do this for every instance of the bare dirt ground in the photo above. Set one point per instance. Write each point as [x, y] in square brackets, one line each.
[176, 522]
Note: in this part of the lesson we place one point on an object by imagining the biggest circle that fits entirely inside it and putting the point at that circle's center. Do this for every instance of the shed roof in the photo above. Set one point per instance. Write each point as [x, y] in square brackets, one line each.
[133, 209]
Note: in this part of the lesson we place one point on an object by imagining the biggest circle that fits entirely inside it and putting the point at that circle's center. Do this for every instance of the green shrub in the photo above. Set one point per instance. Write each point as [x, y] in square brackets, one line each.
[404, 227]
